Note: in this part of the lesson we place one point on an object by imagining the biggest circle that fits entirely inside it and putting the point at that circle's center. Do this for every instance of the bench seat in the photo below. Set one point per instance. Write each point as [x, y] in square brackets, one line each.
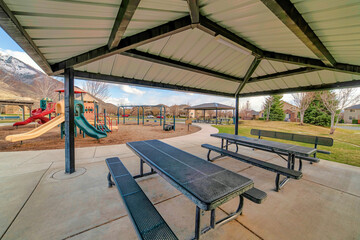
[279, 170]
[147, 221]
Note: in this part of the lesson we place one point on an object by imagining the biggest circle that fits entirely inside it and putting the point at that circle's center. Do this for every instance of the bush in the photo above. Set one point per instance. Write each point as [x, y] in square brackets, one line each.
[354, 121]
[261, 118]
[341, 121]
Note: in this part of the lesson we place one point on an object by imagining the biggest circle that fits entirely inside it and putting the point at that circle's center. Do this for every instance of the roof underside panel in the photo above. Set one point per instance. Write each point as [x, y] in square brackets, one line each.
[197, 48]
[62, 29]
[337, 24]
[123, 66]
[253, 21]
[270, 67]
[301, 80]
[152, 13]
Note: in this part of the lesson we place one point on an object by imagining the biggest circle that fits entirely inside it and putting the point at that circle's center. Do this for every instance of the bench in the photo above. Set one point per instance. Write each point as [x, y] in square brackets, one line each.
[316, 140]
[147, 221]
[279, 170]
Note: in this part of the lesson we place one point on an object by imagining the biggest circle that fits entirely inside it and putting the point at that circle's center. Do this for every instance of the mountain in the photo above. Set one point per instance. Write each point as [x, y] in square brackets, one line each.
[19, 80]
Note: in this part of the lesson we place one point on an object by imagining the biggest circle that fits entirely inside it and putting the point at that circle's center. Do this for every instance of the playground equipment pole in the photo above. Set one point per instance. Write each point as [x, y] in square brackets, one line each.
[143, 114]
[138, 115]
[118, 113]
[123, 115]
[174, 122]
[164, 118]
[161, 114]
[104, 117]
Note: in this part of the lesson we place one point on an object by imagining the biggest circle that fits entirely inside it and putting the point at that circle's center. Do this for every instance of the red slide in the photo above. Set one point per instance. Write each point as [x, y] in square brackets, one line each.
[37, 114]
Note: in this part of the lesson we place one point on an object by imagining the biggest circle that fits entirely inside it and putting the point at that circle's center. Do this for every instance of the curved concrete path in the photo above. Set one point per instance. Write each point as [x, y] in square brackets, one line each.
[325, 204]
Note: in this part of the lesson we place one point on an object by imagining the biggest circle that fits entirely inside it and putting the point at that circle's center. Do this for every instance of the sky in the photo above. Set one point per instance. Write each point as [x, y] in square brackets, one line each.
[131, 95]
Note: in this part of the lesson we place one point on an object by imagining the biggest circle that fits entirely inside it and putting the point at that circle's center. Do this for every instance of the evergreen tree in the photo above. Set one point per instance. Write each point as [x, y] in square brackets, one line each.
[276, 109]
[317, 113]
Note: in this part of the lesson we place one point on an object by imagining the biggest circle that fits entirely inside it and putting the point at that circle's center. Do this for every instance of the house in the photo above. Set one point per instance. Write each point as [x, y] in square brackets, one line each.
[249, 115]
[291, 112]
[352, 113]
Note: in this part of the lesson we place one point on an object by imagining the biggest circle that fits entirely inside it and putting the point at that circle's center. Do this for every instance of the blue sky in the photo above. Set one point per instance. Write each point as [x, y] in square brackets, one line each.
[125, 94]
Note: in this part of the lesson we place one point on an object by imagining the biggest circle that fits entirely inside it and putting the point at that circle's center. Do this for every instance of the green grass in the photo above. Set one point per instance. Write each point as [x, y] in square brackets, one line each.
[346, 148]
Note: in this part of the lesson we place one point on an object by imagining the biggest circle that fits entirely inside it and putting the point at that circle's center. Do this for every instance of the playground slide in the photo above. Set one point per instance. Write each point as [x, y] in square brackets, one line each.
[36, 114]
[37, 131]
[87, 128]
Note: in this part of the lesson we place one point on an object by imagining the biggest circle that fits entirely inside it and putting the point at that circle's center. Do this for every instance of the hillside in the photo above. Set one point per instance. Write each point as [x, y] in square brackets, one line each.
[20, 80]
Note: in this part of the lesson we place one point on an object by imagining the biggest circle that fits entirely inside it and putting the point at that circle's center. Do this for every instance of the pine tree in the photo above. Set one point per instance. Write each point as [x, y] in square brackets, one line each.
[276, 109]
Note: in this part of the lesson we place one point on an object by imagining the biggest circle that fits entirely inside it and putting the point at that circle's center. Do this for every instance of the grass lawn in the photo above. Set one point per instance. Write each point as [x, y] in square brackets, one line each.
[346, 147]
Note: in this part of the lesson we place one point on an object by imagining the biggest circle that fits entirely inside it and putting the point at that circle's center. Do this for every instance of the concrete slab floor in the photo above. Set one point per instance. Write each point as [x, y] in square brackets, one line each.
[324, 204]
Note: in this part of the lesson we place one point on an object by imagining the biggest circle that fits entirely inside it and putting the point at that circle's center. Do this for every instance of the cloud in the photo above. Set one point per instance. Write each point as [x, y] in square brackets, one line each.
[21, 56]
[118, 101]
[131, 90]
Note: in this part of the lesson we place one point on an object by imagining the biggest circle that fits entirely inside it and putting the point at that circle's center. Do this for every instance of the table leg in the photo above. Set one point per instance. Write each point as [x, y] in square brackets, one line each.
[222, 143]
[141, 167]
[227, 144]
[198, 223]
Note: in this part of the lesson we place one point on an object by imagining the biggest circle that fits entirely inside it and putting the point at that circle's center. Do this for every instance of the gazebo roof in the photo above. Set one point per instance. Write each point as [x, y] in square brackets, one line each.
[211, 106]
[227, 48]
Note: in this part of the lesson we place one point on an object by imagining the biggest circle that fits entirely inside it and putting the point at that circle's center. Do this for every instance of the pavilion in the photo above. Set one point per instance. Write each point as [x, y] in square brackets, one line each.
[211, 106]
[226, 48]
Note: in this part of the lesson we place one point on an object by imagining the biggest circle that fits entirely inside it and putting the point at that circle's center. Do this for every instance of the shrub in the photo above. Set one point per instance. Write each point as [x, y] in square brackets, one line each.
[354, 121]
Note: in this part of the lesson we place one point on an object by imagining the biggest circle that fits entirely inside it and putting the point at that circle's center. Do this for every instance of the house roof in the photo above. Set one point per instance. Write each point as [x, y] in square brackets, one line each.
[250, 48]
[353, 107]
[211, 106]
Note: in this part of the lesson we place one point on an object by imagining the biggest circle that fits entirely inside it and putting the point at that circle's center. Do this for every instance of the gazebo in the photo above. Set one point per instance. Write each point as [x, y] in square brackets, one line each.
[211, 106]
[226, 48]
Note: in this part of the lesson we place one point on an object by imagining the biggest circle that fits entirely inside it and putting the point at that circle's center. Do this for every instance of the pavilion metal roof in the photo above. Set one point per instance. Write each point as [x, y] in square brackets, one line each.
[228, 47]
[211, 106]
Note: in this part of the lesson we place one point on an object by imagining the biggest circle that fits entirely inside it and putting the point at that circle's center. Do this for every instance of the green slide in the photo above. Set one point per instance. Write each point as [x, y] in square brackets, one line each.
[88, 129]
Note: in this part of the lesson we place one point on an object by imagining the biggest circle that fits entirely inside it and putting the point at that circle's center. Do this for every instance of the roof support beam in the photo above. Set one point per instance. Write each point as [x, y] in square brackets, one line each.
[194, 11]
[255, 63]
[348, 84]
[214, 29]
[123, 18]
[283, 74]
[310, 62]
[127, 43]
[290, 16]
[11, 25]
[144, 83]
[180, 65]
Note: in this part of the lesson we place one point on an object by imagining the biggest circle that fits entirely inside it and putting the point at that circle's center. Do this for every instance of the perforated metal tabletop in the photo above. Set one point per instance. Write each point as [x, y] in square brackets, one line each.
[276, 146]
[205, 183]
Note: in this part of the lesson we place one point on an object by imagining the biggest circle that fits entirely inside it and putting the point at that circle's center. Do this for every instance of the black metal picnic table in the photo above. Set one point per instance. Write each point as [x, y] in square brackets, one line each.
[291, 150]
[203, 182]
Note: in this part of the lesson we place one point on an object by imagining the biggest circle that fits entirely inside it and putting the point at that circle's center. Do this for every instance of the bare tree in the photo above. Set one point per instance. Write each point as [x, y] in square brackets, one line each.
[336, 101]
[174, 110]
[302, 101]
[45, 87]
[267, 106]
[97, 89]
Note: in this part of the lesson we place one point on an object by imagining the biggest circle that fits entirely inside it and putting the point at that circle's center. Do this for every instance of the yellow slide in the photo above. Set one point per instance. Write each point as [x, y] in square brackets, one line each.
[59, 108]
[37, 131]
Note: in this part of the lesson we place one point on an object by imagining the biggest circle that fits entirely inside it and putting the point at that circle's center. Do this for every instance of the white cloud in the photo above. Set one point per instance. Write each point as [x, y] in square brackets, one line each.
[22, 56]
[118, 101]
[131, 90]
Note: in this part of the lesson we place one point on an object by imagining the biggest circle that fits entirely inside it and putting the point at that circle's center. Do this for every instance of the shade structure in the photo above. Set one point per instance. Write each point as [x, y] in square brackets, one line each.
[211, 106]
[228, 48]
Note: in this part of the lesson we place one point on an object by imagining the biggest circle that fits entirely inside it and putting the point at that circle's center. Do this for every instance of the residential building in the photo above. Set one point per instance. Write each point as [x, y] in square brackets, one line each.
[351, 113]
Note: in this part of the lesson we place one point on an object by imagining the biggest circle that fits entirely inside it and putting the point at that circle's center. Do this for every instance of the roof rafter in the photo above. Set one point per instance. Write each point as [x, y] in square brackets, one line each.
[255, 63]
[11, 25]
[353, 83]
[127, 43]
[177, 64]
[126, 11]
[283, 74]
[290, 16]
[139, 82]
[194, 11]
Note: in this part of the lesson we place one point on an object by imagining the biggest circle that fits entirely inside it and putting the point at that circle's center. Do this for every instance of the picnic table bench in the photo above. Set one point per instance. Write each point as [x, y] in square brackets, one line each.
[316, 140]
[204, 183]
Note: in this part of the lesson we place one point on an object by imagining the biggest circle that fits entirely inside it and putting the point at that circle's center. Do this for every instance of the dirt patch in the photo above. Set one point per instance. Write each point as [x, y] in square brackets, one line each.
[124, 133]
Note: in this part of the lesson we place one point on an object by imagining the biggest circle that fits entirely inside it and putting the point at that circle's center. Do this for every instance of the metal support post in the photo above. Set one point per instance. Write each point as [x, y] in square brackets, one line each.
[69, 121]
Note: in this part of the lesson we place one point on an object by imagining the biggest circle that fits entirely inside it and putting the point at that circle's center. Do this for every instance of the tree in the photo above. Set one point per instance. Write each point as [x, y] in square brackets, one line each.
[267, 106]
[302, 101]
[336, 101]
[175, 110]
[97, 89]
[45, 87]
[317, 114]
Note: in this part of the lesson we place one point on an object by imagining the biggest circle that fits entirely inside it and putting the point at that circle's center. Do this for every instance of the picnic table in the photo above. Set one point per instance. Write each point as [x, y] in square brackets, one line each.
[204, 183]
[292, 151]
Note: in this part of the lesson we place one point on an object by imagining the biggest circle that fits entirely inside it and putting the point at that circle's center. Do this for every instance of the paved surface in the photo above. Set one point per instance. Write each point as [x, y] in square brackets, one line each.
[350, 127]
[324, 204]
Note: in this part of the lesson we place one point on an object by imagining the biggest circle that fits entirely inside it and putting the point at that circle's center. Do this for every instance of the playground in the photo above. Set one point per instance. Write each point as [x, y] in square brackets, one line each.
[52, 138]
